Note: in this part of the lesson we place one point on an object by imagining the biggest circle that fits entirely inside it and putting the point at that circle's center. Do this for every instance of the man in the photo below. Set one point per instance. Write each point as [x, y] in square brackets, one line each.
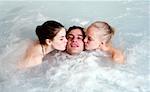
[75, 36]
[75, 45]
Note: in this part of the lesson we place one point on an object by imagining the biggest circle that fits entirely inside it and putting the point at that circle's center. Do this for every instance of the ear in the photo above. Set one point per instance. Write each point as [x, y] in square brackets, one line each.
[102, 44]
[48, 41]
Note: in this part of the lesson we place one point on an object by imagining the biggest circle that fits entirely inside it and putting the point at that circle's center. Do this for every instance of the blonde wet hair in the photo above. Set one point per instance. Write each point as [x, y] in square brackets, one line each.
[105, 30]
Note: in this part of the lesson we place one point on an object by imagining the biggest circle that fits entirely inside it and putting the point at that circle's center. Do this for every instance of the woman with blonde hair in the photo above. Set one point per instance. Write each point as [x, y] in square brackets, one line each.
[98, 36]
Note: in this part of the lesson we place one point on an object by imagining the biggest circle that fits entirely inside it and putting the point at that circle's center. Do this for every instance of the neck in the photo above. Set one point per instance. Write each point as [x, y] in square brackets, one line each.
[46, 49]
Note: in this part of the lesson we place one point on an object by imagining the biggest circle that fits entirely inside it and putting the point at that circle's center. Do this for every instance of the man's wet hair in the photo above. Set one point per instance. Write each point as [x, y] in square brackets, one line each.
[76, 27]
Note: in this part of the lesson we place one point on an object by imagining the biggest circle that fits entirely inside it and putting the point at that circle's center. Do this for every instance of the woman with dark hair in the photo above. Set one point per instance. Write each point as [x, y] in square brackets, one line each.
[51, 36]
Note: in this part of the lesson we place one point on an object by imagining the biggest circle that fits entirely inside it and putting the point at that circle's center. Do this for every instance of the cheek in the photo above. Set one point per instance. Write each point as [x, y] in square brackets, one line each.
[59, 44]
[68, 45]
[94, 45]
[82, 45]
[56, 43]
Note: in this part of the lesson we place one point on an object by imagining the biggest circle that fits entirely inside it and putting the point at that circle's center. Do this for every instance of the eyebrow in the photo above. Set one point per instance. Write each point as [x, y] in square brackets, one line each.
[90, 37]
[80, 35]
[62, 36]
[70, 34]
[73, 35]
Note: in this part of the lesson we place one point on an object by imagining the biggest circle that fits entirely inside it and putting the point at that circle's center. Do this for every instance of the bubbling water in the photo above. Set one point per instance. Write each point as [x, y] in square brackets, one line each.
[86, 72]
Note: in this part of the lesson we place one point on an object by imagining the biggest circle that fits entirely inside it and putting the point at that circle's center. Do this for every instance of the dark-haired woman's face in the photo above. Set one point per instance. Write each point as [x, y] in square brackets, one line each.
[59, 42]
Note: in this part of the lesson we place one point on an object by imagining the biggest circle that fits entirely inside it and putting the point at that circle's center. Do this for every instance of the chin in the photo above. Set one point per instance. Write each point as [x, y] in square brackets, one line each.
[88, 49]
[74, 52]
[62, 49]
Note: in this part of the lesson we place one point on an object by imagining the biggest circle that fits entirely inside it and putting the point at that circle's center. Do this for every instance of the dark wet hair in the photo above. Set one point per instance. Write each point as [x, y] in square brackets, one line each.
[48, 30]
[75, 27]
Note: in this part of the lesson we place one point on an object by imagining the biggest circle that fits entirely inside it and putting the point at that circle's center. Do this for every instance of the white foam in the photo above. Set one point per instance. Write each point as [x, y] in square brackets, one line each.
[87, 72]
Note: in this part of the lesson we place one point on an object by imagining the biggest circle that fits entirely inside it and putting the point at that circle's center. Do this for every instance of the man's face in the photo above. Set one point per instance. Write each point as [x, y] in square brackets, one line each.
[75, 43]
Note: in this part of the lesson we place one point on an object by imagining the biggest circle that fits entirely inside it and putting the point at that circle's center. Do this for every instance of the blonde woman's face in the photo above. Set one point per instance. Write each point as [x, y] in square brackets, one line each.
[59, 42]
[92, 39]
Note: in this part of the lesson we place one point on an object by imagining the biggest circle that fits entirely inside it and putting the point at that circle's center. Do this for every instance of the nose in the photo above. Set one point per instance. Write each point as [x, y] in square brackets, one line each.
[74, 39]
[65, 40]
[85, 39]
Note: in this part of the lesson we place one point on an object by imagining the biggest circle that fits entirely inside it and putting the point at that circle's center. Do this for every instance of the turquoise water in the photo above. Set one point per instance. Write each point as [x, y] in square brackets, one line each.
[18, 21]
